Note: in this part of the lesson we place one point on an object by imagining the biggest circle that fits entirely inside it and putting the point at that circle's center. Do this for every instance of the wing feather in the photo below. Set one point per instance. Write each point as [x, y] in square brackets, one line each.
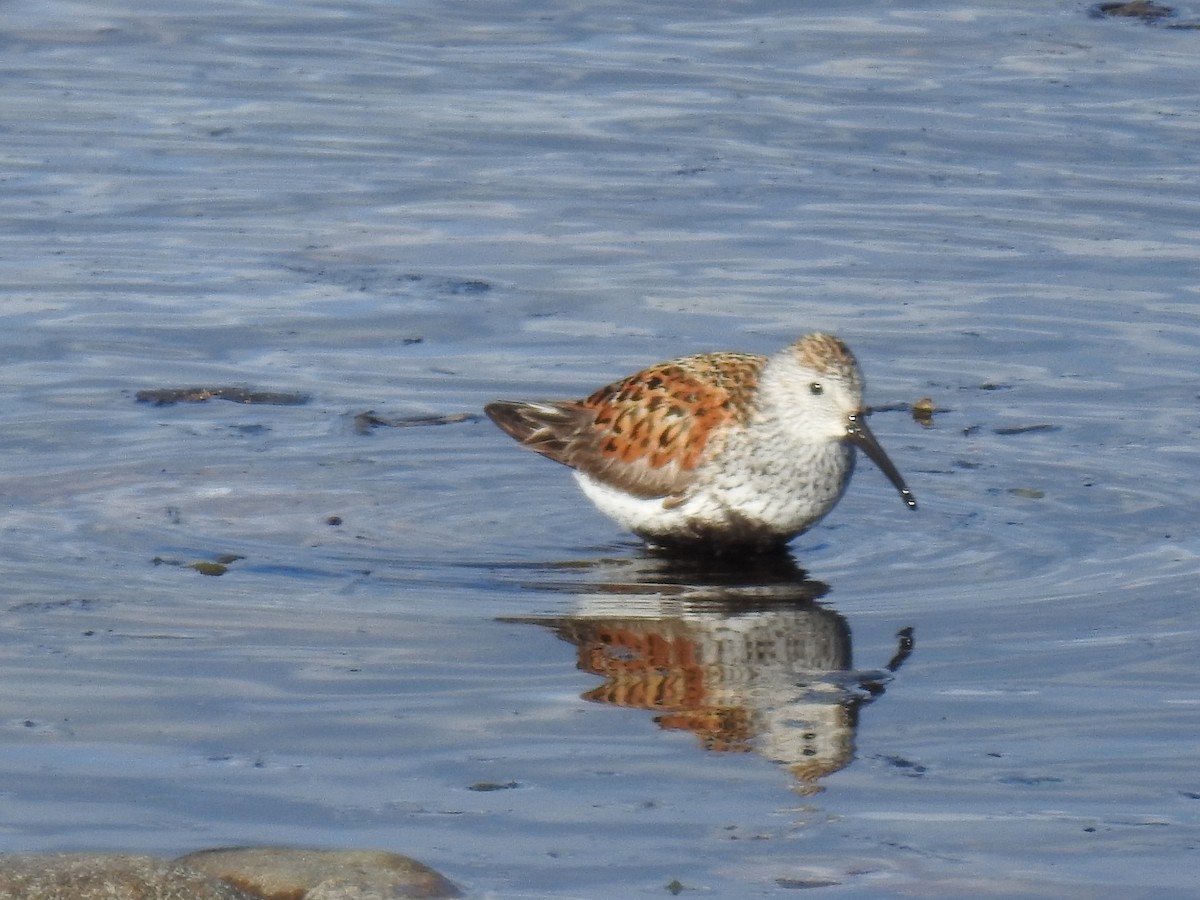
[644, 434]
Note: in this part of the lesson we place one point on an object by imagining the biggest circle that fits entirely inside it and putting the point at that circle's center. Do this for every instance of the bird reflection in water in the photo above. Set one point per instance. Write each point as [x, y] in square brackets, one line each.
[745, 659]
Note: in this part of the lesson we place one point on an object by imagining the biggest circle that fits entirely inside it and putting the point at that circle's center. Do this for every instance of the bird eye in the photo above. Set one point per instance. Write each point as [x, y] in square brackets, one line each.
[815, 389]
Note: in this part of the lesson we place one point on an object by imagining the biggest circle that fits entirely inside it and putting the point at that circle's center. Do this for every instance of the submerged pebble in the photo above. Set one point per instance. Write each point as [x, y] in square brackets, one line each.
[1134, 9]
[170, 396]
[365, 421]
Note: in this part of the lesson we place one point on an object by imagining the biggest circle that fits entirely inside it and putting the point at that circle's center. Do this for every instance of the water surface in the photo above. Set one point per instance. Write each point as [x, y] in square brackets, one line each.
[416, 208]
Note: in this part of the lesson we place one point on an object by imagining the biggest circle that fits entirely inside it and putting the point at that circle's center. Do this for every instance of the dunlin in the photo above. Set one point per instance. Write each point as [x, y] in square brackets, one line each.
[720, 452]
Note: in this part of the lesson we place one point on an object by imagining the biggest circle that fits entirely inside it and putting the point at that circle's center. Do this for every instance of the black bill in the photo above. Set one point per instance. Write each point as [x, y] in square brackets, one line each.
[860, 435]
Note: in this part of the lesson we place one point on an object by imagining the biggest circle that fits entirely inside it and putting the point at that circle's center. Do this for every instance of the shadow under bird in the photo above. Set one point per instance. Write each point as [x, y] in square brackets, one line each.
[721, 452]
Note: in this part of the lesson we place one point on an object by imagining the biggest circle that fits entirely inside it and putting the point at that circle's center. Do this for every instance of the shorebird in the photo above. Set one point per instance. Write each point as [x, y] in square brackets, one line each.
[721, 452]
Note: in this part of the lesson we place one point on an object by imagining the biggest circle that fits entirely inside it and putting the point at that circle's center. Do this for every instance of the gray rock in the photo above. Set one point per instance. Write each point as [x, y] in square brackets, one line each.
[105, 876]
[281, 873]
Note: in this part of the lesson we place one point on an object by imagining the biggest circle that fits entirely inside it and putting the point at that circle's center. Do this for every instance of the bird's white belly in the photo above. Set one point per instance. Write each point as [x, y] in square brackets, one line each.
[753, 503]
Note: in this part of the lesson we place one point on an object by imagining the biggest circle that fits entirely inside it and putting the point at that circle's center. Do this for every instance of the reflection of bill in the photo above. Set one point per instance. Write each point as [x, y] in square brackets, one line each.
[750, 666]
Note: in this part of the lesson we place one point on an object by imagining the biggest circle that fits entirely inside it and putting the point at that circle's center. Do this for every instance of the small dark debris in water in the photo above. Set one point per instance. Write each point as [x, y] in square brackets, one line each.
[922, 412]
[453, 285]
[994, 386]
[334, 520]
[170, 396]
[1025, 429]
[385, 282]
[1030, 780]
[408, 341]
[208, 568]
[675, 887]
[1027, 493]
[1149, 13]
[365, 421]
[219, 566]
[1133, 9]
[47, 605]
[173, 515]
[804, 884]
[493, 786]
[1191, 795]
[469, 286]
[971, 430]
[899, 762]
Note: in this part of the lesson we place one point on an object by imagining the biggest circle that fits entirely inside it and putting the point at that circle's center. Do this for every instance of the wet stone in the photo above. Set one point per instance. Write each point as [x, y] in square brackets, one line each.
[171, 396]
[1134, 9]
[280, 873]
[922, 412]
[1025, 429]
[364, 422]
[96, 876]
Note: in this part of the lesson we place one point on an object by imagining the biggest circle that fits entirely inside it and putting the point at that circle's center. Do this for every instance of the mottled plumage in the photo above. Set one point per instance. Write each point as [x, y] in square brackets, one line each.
[728, 450]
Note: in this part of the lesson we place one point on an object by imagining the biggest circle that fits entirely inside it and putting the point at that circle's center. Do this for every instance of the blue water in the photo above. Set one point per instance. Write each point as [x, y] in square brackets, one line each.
[416, 208]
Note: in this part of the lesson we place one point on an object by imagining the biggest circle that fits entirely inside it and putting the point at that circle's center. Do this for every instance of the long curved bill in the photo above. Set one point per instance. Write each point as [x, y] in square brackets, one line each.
[860, 435]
